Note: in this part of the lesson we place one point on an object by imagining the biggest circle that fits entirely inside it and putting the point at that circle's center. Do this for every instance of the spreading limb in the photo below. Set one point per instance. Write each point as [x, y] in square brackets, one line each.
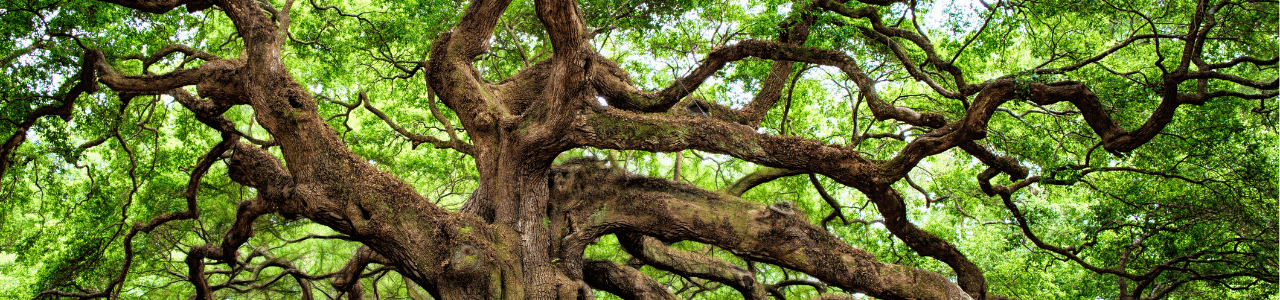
[776, 234]
[624, 282]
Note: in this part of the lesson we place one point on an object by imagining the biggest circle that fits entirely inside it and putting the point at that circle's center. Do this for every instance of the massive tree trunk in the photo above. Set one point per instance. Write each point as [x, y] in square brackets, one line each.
[522, 233]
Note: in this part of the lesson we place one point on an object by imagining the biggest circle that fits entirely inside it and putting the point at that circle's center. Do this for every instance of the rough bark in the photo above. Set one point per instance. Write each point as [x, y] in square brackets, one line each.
[522, 233]
[776, 234]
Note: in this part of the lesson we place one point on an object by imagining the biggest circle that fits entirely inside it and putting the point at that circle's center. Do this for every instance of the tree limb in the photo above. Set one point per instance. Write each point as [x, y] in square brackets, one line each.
[775, 234]
[688, 264]
[624, 282]
[760, 176]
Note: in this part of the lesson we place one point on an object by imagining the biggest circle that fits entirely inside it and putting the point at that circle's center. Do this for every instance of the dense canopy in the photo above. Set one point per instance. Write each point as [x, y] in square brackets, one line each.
[639, 149]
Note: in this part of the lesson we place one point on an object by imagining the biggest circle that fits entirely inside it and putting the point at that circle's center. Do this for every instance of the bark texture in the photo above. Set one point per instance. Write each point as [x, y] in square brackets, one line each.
[522, 233]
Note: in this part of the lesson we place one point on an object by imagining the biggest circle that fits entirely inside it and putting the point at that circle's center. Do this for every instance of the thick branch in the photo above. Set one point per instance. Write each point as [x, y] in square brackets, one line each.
[348, 278]
[255, 167]
[688, 264]
[471, 36]
[149, 84]
[1114, 138]
[624, 282]
[195, 273]
[564, 25]
[1005, 164]
[623, 130]
[759, 176]
[892, 207]
[207, 112]
[776, 234]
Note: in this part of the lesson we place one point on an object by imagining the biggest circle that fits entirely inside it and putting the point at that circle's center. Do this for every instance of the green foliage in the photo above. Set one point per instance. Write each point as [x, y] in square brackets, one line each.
[65, 202]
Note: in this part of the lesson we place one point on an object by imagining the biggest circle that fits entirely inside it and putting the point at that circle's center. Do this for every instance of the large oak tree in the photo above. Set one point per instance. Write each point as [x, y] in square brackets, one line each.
[890, 149]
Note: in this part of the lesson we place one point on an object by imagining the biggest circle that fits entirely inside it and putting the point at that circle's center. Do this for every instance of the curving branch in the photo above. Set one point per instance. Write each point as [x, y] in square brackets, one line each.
[775, 234]
[777, 289]
[624, 282]
[347, 279]
[624, 130]
[884, 34]
[617, 129]
[1242, 59]
[1114, 138]
[453, 142]
[835, 205]
[893, 208]
[1104, 54]
[760, 176]
[471, 38]
[257, 281]
[190, 55]
[1005, 164]
[688, 264]
[192, 212]
[193, 184]
[84, 84]
[619, 93]
[149, 84]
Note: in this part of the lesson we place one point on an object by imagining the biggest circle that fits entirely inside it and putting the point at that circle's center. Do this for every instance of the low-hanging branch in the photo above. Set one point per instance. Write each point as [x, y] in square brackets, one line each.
[775, 234]
[688, 264]
[623, 281]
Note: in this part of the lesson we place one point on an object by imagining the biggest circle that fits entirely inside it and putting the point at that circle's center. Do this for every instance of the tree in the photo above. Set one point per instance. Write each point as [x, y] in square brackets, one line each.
[555, 102]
